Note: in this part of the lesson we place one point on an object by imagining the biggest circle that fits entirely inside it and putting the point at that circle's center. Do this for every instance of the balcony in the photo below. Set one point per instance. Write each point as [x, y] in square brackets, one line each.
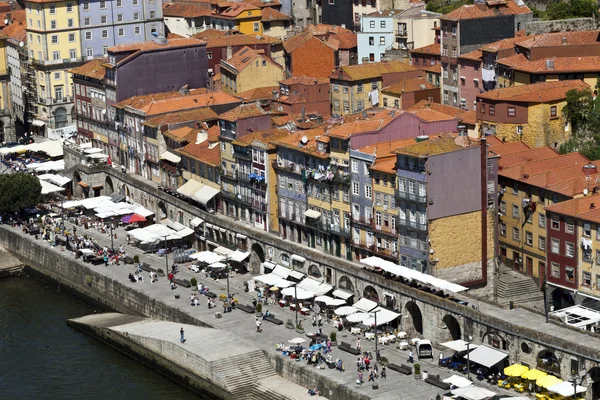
[402, 33]
[291, 167]
[362, 221]
[252, 179]
[323, 226]
[413, 224]
[410, 197]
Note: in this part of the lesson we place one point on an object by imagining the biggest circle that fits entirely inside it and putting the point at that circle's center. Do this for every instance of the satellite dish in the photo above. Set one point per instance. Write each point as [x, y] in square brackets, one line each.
[103, 112]
[304, 140]
[5, 21]
[585, 191]
[21, 44]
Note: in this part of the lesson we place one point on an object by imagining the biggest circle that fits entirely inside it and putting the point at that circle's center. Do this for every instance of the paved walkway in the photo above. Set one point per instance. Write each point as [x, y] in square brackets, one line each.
[243, 324]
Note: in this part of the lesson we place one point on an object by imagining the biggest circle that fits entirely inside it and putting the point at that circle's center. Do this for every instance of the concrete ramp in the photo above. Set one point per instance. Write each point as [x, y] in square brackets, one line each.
[9, 264]
[210, 359]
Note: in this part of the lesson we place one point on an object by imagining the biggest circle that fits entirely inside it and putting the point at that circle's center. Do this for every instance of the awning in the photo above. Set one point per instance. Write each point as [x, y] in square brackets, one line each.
[296, 275]
[217, 265]
[298, 258]
[297, 293]
[459, 345]
[239, 256]
[207, 257]
[48, 187]
[168, 156]
[144, 212]
[83, 184]
[190, 188]
[282, 271]
[341, 294]
[205, 194]
[240, 236]
[54, 178]
[486, 356]
[458, 381]
[312, 214]
[384, 316]
[473, 393]
[365, 305]
[38, 123]
[566, 389]
[273, 280]
[345, 310]
[268, 265]
[93, 150]
[223, 251]
[52, 148]
[196, 222]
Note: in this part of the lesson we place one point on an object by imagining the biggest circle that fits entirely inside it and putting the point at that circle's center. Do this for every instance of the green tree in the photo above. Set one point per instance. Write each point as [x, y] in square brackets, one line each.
[583, 8]
[558, 10]
[19, 191]
[579, 110]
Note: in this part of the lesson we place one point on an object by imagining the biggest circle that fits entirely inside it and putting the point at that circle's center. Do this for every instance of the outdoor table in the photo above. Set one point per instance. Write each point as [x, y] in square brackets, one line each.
[383, 340]
[369, 335]
[282, 303]
[401, 335]
[304, 311]
[355, 331]
[403, 345]
[414, 341]
[293, 307]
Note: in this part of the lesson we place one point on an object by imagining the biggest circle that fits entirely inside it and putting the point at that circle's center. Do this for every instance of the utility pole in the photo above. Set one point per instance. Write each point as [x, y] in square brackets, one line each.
[376, 352]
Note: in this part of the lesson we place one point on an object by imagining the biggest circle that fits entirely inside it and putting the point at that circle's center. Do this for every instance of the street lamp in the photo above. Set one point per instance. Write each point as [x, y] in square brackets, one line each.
[112, 245]
[376, 353]
[227, 273]
[166, 257]
[469, 358]
[296, 300]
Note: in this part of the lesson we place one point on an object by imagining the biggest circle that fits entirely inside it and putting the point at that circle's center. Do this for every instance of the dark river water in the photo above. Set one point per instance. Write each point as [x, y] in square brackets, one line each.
[43, 358]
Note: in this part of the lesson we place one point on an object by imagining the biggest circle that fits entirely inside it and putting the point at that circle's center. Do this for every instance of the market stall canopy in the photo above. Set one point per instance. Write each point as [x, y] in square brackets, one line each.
[486, 356]
[207, 257]
[205, 194]
[411, 274]
[15, 149]
[273, 280]
[312, 214]
[533, 374]
[197, 221]
[515, 370]
[473, 393]
[52, 148]
[298, 258]
[223, 251]
[57, 165]
[190, 188]
[87, 252]
[357, 317]
[459, 345]
[144, 212]
[48, 188]
[458, 381]
[337, 302]
[566, 389]
[38, 122]
[547, 381]
[341, 294]
[297, 293]
[217, 265]
[167, 155]
[345, 310]
[281, 271]
[55, 179]
[365, 305]
[315, 286]
[92, 150]
[384, 316]
[239, 256]
[296, 275]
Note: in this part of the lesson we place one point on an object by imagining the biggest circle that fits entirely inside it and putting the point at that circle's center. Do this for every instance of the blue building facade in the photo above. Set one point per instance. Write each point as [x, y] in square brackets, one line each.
[107, 23]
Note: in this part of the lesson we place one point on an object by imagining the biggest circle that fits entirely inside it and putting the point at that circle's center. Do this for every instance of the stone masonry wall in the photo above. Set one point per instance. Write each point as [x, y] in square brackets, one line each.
[563, 25]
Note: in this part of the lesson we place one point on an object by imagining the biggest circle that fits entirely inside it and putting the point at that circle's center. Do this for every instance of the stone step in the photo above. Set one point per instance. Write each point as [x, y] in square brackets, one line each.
[239, 373]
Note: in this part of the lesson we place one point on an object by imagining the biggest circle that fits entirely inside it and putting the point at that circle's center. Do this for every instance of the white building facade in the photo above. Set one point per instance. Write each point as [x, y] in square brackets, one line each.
[376, 36]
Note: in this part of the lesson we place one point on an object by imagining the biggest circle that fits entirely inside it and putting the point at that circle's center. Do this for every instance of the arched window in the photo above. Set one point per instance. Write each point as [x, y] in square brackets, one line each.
[285, 260]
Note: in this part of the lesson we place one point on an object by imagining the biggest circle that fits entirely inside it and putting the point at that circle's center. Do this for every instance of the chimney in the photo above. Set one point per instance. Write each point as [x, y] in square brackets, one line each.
[564, 41]
[201, 136]
[592, 206]
[303, 114]
[550, 64]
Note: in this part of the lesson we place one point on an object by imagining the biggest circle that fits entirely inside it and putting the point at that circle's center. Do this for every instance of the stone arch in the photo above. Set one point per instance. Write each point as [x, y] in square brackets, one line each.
[257, 257]
[171, 215]
[314, 271]
[163, 210]
[370, 293]
[415, 316]
[180, 217]
[526, 348]
[494, 339]
[108, 186]
[61, 117]
[346, 284]
[548, 361]
[453, 326]
[594, 374]
[561, 299]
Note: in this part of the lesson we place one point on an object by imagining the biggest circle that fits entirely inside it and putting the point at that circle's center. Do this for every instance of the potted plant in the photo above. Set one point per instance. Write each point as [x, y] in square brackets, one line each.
[333, 338]
[136, 259]
[289, 324]
[160, 272]
[259, 310]
[417, 371]
[299, 327]
[383, 361]
[194, 283]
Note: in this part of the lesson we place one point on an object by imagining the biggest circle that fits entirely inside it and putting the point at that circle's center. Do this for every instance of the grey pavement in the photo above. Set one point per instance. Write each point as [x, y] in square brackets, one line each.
[396, 386]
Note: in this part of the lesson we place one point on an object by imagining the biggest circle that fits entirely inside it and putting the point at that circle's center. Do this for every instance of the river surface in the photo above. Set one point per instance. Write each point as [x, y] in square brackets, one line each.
[43, 358]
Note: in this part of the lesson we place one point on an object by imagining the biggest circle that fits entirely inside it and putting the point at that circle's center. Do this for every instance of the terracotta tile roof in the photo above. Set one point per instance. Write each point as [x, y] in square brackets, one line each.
[209, 34]
[263, 93]
[348, 129]
[344, 40]
[236, 9]
[282, 119]
[385, 164]
[187, 10]
[172, 35]
[504, 44]
[434, 69]
[435, 145]
[500, 148]
[298, 40]
[16, 31]
[304, 80]
[430, 115]
[564, 180]
[527, 156]
[270, 14]
[370, 70]
[535, 93]
[264, 3]
[559, 64]
[198, 115]
[245, 57]
[292, 141]
[243, 111]
[476, 11]
[92, 69]
[183, 134]
[264, 137]
[559, 39]
[430, 49]
[408, 86]
[444, 109]
[325, 29]
[386, 149]
[238, 40]
[468, 117]
[163, 103]
[474, 55]
[152, 45]
[206, 152]
[584, 208]
[523, 172]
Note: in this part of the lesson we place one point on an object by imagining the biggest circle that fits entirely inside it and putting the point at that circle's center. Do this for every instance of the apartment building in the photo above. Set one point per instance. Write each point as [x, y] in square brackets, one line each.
[415, 27]
[306, 55]
[249, 69]
[376, 36]
[17, 58]
[187, 19]
[303, 93]
[404, 94]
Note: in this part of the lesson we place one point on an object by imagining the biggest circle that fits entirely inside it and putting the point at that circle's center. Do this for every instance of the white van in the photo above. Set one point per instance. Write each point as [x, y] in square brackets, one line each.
[424, 349]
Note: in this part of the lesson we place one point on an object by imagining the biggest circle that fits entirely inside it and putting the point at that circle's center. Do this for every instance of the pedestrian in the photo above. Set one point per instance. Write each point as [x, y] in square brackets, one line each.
[410, 357]
[314, 321]
[359, 379]
[383, 373]
[182, 339]
[224, 307]
[320, 319]
[105, 260]
[358, 346]
[329, 345]
[258, 324]
[208, 303]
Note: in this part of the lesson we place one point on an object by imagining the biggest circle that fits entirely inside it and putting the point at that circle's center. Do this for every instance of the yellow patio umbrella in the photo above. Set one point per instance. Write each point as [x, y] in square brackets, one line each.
[515, 370]
[547, 381]
[274, 288]
[533, 374]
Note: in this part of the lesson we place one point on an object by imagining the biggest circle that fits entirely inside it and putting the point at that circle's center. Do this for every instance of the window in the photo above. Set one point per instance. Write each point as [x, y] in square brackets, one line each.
[52, 9]
[569, 226]
[502, 229]
[121, 32]
[104, 33]
[136, 16]
[502, 207]
[88, 35]
[136, 30]
[587, 279]
[371, 24]
[136, 2]
[555, 272]
[512, 111]
[542, 220]
[382, 40]
[359, 88]
[69, 7]
[102, 4]
[528, 238]
[587, 229]
[89, 52]
[552, 111]
[86, 6]
[492, 110]
[555, 223]
[382, 24]
[58, 93]
[542, 243]
[153, 15]
[103, 19]
[354, 166]
[515, 211]
[119, 17]
[373, 85]
[52, 24]
[87, 21]
[119, 3]
[70, 22]
[355, 189]
[369, 192]
[515, 233]
[54, 39]
[57, 75]
[569, 249]
[483, 108]
[555, 249]
[257, 27]
[569, 274]
[56, 55]
[73, 54]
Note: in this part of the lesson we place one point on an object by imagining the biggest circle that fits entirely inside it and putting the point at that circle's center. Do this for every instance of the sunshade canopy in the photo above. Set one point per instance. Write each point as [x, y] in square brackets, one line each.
[515, 370]
[345, 310]
[365, 305]
[486, 356]
[297, 293]
[381, 315]
[458, 381]
[473, 393]
[239, 256]
[342, 294]
[459, 345]
[566, 389]
[547, 381]
[533, 374]
[357, 317]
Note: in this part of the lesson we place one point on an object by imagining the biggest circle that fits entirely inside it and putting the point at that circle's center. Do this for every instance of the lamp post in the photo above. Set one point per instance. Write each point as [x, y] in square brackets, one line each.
[468, 359]
[166, 257]
[376, 353]
[296, 300]
[112, 245]
[227, 273]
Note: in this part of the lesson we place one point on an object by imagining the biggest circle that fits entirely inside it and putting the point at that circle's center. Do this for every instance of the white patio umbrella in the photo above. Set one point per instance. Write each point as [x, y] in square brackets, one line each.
[458, 381]
[336, 302]
[566, 389]
[357, 317]
[324, 299]
[297, 293]
[345, 310]
[297, 340]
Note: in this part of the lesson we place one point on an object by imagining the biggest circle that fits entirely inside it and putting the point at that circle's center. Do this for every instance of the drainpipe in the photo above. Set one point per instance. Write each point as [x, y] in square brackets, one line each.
[484, 238]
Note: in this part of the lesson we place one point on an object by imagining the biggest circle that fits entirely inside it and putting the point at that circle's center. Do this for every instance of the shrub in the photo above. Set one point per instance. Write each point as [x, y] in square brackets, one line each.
[417, 369]
[333, 336]
[259, 307]
[194, 282]
[136, 259]
[222, 297]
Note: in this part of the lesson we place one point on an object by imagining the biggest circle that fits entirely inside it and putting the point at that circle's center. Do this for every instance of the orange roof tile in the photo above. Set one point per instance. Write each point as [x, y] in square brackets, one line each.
[442, 108]
[264, 137]
[559, 39]
[523, 157]
[345, 40]
[198, 115]
[263, 93]
[408, 86]
[182, 134]
[298, 40]
[237, 40]
[372, 124]
[386, 164]
[152, 45]
[187, 10]
[236, 9]
[430, 115]
[325, 29]
[500, 148]
[554, 65]
[91, 69]
[564, 179]
[209, 34]
[264, 3]
[435, 145]
[434, 69]
[503, 44]
[16, 31]
[270, 14]
[584, 208]
[430, 49]
[522, 172]
[243, 111]
[370, 70]
[206, 152]
[535, 93]
[293, 141]
[386, 149]
[245, 57]
[468, 117]
[281, 120]
[304, 80]
[474, 55]
[163, 103]
[482, 10]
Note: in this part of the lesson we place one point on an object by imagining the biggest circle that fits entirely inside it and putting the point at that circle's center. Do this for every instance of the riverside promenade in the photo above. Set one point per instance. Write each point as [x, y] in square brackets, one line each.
[396, 386]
